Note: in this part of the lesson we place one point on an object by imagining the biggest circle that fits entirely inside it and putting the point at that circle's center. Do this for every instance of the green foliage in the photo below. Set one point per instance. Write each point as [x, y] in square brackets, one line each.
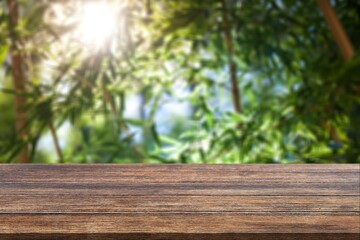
[7, 119]
[294, 86]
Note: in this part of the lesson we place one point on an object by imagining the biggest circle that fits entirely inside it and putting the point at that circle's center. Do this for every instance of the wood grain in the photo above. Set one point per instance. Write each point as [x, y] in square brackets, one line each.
[180, 201]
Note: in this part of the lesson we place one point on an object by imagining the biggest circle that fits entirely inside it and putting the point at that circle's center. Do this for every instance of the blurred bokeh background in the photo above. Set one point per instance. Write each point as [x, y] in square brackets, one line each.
[159, 81]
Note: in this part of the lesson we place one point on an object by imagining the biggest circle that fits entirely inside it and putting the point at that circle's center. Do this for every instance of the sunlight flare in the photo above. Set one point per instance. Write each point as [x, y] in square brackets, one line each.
[97, 24]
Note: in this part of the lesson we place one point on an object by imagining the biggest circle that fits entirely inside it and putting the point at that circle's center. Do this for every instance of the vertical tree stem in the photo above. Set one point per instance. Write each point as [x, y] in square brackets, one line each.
[18, 74]
[232, 66]
[342, 40]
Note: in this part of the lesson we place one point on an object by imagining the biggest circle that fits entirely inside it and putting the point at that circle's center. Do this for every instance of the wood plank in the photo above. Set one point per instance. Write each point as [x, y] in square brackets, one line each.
[176, 222]
[163, 180]
[84, 203]
[184, 236]
[181, 177]
[166, 173]
[180, 201]
[182, 189]
[70, 168]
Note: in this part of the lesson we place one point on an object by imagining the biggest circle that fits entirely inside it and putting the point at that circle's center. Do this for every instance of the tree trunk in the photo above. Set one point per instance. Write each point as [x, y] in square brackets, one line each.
[17, 68]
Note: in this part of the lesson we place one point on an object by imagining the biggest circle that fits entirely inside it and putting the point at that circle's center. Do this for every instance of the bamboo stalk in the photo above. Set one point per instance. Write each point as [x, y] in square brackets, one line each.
[56, 142]
[18, 74]
[341, 38]
[232, 66]
[343, 42]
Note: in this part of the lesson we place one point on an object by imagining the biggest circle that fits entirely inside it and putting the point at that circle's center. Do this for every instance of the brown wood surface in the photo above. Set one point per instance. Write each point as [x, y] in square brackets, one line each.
[180, 201]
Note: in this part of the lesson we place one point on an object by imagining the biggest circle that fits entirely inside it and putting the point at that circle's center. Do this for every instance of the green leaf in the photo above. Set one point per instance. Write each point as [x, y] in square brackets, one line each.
[155, 135]
[4, 49]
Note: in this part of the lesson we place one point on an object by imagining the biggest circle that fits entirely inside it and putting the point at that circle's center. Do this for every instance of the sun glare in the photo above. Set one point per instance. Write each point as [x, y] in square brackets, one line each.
[97, 24]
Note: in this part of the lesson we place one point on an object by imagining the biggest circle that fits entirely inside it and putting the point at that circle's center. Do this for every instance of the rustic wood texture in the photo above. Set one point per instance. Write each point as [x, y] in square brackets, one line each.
[180, 201]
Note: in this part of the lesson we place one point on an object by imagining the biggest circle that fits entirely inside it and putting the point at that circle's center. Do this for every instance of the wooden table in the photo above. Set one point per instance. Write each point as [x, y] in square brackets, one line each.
[179, 202]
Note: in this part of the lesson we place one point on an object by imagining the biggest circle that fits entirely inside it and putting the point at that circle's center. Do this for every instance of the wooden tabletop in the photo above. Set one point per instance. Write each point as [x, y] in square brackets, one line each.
[180, 201]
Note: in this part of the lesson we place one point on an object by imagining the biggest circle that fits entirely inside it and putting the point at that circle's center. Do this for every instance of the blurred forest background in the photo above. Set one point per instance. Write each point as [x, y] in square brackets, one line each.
[160, 81]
